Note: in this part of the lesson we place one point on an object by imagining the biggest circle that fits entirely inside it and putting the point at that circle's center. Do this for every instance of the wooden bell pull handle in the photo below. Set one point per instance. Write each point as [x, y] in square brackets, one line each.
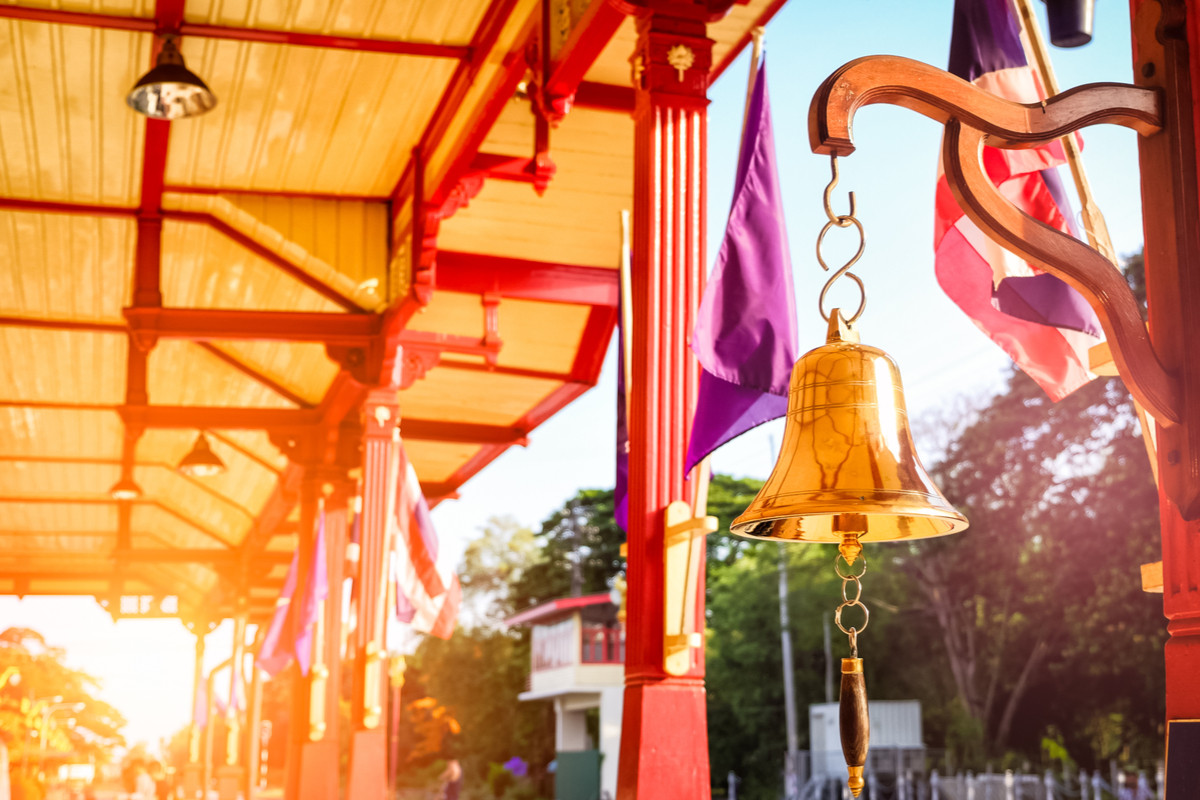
[855, 722]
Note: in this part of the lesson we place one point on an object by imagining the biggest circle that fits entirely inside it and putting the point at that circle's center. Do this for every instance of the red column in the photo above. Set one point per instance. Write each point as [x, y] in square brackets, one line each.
[664, 735]
[319, 759]
[1167, 56]
[310, 488]
[368, 726]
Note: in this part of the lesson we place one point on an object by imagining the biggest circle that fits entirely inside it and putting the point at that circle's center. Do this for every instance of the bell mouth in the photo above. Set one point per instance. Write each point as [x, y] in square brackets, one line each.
[908, 515]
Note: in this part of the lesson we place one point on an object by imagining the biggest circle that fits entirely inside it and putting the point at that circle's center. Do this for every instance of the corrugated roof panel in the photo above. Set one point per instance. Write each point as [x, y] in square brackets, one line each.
[40, 479]
[25, 546]
[245, 484]
[65, 132]
[491, 68]
[304, 119]
[454, 395]
[62, 366]
[62, 516]
[170, 522]
[578, 220]
[180, 372]
[540, 335]
[203, 268]
[60, 433]
[60, 266]
[302, 368]
[437, 461]
[436, 21]
[613, 65]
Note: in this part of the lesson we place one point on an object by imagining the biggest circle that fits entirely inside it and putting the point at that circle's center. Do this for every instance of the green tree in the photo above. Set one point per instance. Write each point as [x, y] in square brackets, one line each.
[44, 682]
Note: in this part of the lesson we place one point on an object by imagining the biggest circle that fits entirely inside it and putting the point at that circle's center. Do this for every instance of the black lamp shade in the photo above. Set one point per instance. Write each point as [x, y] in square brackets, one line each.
[170, 90]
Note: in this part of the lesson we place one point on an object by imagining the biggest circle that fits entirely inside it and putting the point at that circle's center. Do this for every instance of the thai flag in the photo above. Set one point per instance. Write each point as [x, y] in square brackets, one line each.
[428, 593]
[1043, 324]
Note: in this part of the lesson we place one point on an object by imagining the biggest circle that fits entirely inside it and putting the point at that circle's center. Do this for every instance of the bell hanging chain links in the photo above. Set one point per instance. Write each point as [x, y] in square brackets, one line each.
[840, 221]
[851, 598]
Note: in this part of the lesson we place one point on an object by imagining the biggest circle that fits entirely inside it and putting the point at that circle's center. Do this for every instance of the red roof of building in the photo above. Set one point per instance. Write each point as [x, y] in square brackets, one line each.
[557, 608]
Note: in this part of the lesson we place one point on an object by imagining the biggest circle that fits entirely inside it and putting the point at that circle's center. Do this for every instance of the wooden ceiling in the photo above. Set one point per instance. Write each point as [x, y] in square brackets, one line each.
[375, 180]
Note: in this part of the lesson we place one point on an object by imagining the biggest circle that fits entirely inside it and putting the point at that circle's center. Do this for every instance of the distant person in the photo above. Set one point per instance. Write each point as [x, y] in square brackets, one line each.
[452, 779]
[144, 788]
[162, 784]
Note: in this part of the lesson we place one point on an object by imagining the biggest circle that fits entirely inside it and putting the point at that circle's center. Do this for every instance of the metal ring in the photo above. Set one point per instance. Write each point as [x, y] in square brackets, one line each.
[837, 617]
[842, 222]
[858, 590]
[837, 565]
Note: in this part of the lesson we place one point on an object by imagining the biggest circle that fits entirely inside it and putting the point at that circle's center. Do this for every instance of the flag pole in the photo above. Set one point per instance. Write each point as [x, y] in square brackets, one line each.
[1035, 49]
[701, 472]
[1093, 220]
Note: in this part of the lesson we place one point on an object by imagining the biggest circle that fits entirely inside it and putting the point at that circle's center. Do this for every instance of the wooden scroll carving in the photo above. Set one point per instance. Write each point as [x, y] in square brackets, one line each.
[974, 118]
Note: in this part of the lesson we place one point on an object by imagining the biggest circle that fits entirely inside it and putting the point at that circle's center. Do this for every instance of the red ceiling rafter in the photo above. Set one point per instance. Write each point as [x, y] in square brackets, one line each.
[736, 50]
[223, 417]
[589, 359]
[261, 35]
[528, 280]
[354, 329]
[500, 369]
[63, 325]
[605, 97]
[583, 46]
[482, 43]
[172, 188]
[52, 207]
[462, 432]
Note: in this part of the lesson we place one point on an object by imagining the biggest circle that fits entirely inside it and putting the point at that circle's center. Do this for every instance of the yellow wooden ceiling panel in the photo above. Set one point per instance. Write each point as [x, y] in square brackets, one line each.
[730, 31]
[253, 444]
[183, 373]
[302, 368]
[64, 516]
[535, 335]
[60, 433]
[512, 135]
[245, 484]
[452, 395]
[203, 268]
[493, 64]
[437, 21]
[59, 266]
[612, 66]
[304, 119]
[41, 479]
[65, 132]
[172, 526]
[25, 546]
[62, 366]
[577, 221]
[437, 461]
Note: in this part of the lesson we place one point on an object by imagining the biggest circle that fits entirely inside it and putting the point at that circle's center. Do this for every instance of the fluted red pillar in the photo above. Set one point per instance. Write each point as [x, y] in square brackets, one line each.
[664, 735]
[368, 730]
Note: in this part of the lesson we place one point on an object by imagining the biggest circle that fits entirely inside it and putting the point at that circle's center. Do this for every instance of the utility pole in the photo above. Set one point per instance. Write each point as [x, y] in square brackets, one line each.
[791, 780]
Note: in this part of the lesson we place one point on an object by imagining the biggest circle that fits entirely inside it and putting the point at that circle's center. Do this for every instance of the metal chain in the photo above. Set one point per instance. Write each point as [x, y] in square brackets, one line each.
[840, 221]
[849, 579]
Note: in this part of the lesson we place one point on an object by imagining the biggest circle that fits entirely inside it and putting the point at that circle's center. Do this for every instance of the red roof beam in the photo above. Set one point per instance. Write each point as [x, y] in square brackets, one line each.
[462, 432]
[583, 46]
[523, 279]
[352, 329]
[220, 417]
[146, 25]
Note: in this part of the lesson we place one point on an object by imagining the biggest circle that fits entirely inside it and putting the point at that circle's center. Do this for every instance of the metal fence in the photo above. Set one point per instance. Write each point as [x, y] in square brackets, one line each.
[991, 786]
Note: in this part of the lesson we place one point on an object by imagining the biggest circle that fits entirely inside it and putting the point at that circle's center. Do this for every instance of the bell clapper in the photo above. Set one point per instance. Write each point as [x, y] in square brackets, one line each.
[853, 717]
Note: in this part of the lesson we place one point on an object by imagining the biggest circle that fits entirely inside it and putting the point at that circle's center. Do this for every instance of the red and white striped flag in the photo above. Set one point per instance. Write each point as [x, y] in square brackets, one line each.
[428, 593]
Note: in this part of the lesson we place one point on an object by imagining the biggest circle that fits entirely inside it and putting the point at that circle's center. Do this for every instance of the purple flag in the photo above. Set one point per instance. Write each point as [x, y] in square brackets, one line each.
[315, 594]
[621, 489]
[282, 642]
[746, 332]
[274, 655]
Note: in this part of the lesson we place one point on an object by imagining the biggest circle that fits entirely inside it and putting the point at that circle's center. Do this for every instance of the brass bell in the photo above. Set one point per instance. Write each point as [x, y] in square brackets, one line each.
[848, 468]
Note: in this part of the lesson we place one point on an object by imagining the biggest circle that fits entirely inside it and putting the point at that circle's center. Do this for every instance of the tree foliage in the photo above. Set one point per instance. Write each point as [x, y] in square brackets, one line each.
[30, 707]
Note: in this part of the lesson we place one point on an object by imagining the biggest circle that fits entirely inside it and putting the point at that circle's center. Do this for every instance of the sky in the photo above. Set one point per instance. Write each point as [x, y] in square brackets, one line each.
[145, 666]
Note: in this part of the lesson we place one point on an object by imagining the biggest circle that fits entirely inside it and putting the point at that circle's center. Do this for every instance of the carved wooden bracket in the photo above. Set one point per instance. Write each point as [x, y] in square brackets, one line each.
[421, 351]
[974, 118]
